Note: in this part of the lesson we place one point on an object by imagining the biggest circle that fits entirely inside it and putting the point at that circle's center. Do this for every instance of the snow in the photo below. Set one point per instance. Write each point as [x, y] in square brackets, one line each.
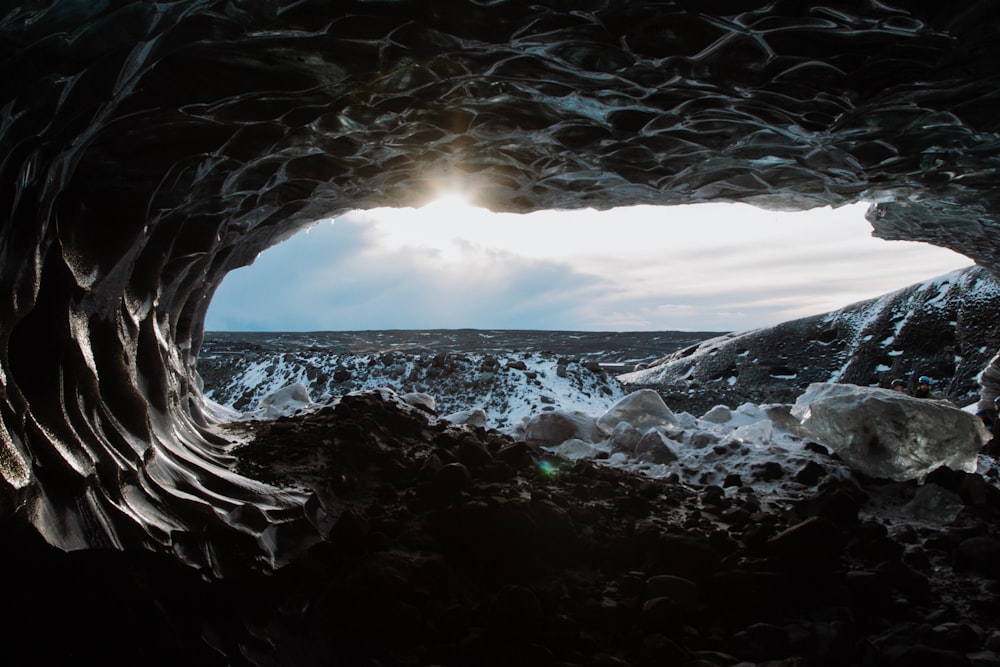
[578, 413]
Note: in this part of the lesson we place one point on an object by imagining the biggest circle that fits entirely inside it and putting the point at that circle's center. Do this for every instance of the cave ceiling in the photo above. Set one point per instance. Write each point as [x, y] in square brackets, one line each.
[149, 148]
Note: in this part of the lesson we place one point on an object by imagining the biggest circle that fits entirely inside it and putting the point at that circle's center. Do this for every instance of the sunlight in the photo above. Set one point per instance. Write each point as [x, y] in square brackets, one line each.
[450, 264]
[449, 205]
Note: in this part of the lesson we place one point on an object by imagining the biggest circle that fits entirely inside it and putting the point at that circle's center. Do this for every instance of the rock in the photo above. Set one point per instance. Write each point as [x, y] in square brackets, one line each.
[731, 480]
[814, 543]
[810, 474]
[517, 455]
[452, 477]
[956, 636]
[657, 649]
[761, 641]
[684, 592]
[516, 608]
[473, 453]
[768, 471]
[920, 655]
[887, 434]
[980, 555]
[687, 556]
[931, 502]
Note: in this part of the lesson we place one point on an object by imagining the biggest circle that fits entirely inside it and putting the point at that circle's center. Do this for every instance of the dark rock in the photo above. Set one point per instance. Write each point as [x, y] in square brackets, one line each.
[977, 492]
[956, 636]
[657, 649]
[731, 480]
[945, 477]
[768, 471]
[914, 585]
[760, 642]
[744, 597]
[810, 474]
[516, 609]
[661, 614]
[452, 477]
[839, 502]
[685, 556]
[473, 454]
[925, 656]
[518, 455]
[980, 555]
[814, 543]
[684, 593]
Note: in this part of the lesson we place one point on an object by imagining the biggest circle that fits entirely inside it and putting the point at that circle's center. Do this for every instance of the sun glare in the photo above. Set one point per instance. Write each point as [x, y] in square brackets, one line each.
[450, 204]
[701, 268]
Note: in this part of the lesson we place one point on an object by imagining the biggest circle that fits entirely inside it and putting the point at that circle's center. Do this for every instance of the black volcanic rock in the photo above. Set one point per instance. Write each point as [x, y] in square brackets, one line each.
[944, 329]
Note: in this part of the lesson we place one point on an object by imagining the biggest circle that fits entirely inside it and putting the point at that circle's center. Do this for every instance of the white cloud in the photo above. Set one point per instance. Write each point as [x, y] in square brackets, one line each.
[700, 267]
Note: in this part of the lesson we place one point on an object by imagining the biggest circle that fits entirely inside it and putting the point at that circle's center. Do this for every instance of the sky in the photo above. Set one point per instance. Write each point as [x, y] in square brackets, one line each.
[447, 265]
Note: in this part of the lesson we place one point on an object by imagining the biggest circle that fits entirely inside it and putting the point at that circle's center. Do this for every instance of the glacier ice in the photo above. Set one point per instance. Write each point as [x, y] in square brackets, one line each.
[643, 409]
[887, 434]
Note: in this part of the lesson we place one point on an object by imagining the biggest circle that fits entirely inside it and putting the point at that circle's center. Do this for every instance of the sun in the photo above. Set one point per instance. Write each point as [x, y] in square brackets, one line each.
[449, 205]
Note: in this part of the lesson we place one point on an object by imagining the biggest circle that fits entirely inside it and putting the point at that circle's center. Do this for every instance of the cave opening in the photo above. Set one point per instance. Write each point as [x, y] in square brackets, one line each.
[450, 264]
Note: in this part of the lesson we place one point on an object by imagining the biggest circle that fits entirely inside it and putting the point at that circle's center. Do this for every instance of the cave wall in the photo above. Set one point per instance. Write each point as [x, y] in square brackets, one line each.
[146, 149]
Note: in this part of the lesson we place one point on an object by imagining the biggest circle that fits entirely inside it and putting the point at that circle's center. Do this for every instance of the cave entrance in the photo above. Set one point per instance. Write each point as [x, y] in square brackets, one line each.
[447, 265]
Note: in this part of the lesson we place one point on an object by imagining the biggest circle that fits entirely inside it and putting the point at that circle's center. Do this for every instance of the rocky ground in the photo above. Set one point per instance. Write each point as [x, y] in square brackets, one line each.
[943, 328]
[458, 546]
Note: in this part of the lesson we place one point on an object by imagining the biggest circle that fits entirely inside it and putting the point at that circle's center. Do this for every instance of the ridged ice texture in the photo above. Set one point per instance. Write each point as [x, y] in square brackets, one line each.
[148, 148]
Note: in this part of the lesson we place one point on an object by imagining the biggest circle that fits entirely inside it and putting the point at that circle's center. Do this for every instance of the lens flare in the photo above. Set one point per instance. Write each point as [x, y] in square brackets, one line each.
[547, 468]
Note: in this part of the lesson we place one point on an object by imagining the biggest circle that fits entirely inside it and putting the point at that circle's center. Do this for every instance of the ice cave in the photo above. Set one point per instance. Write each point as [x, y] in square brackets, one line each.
[148, 148]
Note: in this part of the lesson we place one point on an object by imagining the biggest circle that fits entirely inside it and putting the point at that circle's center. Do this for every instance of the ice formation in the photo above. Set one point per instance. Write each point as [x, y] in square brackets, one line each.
[887, 434]
[151, 148]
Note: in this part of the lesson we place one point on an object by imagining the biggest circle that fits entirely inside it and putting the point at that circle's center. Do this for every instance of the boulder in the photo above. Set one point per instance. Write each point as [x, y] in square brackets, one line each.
[887, 434]
[643, 409]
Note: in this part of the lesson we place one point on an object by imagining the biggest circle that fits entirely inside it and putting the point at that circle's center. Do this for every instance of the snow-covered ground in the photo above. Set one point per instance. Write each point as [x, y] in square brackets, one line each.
[579, 413]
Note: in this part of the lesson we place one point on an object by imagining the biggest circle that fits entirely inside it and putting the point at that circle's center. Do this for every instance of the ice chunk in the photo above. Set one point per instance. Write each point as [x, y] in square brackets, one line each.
[643, 409]
[720, 414]
[624, 438]
[933, 503]
[655, 447]
[760, 433]
[475, 417]
[887, 434]
[285, 401]
[574, 449]
[558, 426]
[421, 400]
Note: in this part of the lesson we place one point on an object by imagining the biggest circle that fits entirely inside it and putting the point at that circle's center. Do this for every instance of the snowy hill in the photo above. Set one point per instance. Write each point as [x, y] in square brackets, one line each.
[509, 374]
[944, 328]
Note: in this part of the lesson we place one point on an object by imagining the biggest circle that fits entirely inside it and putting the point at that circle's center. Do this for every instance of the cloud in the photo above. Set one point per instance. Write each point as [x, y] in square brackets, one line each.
[341, 277]
[706, 267]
